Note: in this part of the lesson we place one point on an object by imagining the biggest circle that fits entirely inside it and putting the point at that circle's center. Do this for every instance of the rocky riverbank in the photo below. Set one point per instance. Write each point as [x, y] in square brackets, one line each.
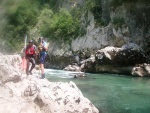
[29, 94]
[130, 59]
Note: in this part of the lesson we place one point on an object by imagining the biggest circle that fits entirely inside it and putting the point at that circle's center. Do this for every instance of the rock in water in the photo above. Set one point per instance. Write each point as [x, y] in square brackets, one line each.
[141, 70]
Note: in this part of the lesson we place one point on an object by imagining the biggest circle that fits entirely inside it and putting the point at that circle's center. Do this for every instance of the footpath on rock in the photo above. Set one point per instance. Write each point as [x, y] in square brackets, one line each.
[30, 94]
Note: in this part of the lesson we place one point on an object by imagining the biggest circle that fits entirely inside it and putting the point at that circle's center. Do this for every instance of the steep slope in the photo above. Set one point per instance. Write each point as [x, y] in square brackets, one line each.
[125, 22]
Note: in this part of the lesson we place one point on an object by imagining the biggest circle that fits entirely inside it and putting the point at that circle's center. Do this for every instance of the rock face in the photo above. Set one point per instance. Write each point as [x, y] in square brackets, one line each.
[119, 60]
[128, 22]
[127, 55]
[58, 62]
[22, 94]
[59, 55]
[10, 68]
[116, 60]
[141, 70]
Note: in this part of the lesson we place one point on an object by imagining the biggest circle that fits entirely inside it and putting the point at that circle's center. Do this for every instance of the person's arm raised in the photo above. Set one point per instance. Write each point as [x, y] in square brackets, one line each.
[45, 46]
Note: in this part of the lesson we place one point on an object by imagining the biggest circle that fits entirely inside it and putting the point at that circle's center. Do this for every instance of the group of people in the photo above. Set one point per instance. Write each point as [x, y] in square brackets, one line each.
[32, 53]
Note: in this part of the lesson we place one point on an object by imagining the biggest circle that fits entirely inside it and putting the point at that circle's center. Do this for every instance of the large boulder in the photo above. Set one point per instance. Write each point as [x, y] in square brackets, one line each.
[11, 100]
[130, 55]
[127, 55]
[10, 68]
[106, 55]
[141, 70]
[63, 98]
[73, 67]
[88, 65]
[30, 94]
[116, 60]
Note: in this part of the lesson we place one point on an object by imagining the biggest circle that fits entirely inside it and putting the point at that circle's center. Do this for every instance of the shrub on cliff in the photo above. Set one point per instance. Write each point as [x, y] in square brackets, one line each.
[60, 25]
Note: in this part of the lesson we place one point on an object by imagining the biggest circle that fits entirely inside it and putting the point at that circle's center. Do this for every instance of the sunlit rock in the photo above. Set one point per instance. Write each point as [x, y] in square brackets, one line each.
[88, 65]
[10, 68]
[141, 70]
[73, 67]
[119, 60]
[30, 94]
[128, 55]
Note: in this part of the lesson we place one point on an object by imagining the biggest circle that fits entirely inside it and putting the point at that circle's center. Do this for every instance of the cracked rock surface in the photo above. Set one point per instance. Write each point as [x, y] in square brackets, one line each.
[30, 94]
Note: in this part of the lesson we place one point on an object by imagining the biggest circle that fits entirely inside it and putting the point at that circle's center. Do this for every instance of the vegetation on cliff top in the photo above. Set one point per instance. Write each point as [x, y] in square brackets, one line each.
[41, 15]
[47, 18]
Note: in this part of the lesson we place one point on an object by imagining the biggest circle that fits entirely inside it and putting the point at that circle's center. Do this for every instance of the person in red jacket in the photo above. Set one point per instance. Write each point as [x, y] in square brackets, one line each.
[30, 52]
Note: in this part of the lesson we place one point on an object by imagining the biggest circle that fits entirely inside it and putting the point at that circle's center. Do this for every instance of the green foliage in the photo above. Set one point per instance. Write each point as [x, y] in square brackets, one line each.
[60, 25]
[76, 11]
[11, 6]
[147, 1]
[44, 21]
[24, 15]
[115, 3]
[64, 25]
[53, 4]
[45, 16]
[24, 18]
[95, 7]
[100, 22]
[21, 16]
[90, 4]
[118, 21]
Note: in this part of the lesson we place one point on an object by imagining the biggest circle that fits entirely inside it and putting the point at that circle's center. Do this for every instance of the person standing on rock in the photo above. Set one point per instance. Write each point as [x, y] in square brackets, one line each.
[43, 47]
[30, 53]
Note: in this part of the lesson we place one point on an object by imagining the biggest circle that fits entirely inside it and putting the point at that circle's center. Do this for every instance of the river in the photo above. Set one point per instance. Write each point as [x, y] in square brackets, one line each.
[110, 93]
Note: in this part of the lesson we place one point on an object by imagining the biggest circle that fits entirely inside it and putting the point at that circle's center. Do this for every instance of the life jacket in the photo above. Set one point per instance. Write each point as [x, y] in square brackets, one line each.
[30, 51]
[41, 48]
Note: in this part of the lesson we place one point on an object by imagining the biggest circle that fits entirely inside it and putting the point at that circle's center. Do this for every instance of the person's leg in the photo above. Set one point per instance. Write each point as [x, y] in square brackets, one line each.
[32, 60]
[27, 68]
[42, 68]
[42, 60]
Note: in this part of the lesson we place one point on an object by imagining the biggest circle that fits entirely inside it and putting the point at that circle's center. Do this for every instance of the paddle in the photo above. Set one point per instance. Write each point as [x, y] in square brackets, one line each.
[24, 62]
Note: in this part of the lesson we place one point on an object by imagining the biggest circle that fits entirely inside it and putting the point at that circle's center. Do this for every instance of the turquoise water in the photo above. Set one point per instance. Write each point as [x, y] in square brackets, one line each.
[110, 93]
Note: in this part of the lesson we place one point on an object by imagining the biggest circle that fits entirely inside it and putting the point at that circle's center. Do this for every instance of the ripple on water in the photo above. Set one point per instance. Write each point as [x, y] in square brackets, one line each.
[111, 93]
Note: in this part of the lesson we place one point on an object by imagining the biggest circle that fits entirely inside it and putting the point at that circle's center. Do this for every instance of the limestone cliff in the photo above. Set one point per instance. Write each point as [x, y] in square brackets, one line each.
[135, 26]
[127, 22]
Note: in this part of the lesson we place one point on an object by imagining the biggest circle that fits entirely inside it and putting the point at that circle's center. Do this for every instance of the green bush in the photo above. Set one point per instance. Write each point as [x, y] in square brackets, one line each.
[44, 21]
[60, 25]
[118, 21]
[115, 3]
[20, 17]
[64, 25]
[25, 17]
[91, 5]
